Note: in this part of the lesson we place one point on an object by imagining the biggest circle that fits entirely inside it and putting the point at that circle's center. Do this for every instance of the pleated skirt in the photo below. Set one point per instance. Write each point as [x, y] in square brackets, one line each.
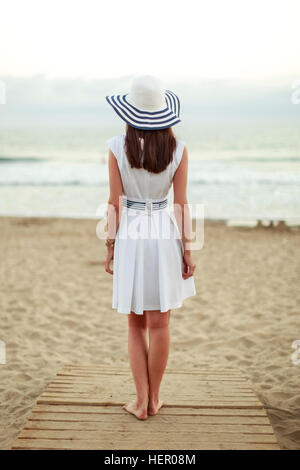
[148, 263]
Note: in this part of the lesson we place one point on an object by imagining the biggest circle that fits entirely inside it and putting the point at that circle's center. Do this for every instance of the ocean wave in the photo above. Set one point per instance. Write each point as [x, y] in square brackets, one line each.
[23, 159]
[192, 182]
[51, 183]
[95, 174]
[63, 161]
[246, 181]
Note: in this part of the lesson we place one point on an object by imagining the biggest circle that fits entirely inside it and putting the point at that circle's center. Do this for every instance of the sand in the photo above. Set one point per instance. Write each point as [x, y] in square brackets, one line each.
[56, 309]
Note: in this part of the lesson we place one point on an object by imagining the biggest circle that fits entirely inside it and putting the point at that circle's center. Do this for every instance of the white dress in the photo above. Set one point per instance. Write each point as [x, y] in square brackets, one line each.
[148, 250]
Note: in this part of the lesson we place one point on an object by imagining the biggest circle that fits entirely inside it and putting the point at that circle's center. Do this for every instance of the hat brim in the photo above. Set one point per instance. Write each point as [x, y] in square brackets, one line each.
[147, 120]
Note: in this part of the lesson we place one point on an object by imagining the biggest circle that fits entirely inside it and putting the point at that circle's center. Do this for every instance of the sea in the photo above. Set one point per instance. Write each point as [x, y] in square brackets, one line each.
[238, 169]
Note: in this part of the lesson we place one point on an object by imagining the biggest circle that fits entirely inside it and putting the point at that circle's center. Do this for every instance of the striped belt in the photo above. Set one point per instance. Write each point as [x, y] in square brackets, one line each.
[147, 205]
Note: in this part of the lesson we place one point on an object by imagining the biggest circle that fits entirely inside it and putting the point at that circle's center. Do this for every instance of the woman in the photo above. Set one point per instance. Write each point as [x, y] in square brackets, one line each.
[153, 266]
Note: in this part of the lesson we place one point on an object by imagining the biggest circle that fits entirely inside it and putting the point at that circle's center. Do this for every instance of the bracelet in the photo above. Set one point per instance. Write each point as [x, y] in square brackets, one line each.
[109, 243]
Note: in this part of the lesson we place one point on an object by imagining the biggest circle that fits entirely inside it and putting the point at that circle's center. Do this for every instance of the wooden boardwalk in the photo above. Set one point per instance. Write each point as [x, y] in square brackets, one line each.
[207, 408]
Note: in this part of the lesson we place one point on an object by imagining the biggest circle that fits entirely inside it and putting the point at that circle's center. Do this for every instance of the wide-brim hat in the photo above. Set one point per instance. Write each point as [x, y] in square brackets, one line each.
[148, 105]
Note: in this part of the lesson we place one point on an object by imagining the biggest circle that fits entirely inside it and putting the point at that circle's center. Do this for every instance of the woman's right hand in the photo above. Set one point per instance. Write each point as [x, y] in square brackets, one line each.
[189, 265]
[109, 258]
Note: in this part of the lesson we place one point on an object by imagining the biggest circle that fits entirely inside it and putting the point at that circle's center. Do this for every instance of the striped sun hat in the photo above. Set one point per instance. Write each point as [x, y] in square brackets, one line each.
[148, 105]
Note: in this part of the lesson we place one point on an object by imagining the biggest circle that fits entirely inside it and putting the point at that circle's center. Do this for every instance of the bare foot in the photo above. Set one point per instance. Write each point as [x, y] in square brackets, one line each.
[153, 409]
[139, 412]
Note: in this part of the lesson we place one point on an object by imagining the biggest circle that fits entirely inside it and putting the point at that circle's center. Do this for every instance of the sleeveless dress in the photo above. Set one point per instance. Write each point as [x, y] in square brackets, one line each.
[148, 249]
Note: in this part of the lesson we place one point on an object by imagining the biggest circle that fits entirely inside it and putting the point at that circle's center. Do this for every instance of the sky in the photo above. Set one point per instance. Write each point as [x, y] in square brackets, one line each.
[96, 39]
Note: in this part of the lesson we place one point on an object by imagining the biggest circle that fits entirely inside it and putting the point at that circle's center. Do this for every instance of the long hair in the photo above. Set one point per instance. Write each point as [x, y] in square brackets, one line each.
[154, 153]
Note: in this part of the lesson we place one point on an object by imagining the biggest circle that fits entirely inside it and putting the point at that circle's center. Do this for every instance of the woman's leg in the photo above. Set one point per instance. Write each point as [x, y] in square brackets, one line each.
[159, 343]
[138, 352]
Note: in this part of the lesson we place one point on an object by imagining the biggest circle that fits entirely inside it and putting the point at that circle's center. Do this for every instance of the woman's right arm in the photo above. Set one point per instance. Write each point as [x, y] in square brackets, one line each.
[182, 213]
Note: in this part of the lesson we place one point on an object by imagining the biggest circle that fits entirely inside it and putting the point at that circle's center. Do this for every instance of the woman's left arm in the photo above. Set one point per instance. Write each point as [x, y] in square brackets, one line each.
[114, 207]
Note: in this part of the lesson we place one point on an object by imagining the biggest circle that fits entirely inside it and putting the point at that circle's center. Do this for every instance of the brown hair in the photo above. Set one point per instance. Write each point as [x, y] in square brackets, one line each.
[157, 151]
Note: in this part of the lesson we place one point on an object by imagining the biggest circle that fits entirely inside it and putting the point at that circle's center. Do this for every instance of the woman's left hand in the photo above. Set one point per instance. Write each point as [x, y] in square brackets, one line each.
[109, 258]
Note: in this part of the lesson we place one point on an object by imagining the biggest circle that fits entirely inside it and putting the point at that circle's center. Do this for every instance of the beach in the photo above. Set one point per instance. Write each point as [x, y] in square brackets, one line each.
[56, 309]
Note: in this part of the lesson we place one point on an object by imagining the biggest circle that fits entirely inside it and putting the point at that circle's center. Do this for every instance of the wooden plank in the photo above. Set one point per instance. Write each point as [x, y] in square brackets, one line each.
[215, 371]
[62, 444]
[217, 387]
[149, 425]
[207, 376]
[147, 434]
[111, 416]
[204, 380]
[60, 381]
[203, 368]
[100, 402]
[93, 390]
[100, 380]
[169, 370]
[206, 408]
[75, 372]
[188, 411]
[201, 396]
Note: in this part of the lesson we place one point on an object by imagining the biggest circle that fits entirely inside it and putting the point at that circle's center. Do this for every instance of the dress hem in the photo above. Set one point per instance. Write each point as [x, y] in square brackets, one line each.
[178, 305]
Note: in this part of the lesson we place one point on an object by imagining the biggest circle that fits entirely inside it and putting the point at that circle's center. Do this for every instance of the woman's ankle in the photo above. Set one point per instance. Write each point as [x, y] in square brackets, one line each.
[142, 402]
[153, 400]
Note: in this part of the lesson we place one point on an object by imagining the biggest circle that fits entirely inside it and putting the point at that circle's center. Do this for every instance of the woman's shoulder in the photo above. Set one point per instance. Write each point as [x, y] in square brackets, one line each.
[180, 144]
[115, 139]
[116, 145]
[177, 156]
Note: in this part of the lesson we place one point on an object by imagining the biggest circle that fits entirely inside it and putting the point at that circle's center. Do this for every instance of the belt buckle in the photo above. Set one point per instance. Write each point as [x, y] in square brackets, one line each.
[148, 206]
